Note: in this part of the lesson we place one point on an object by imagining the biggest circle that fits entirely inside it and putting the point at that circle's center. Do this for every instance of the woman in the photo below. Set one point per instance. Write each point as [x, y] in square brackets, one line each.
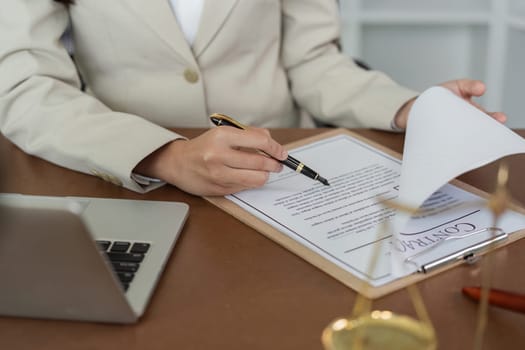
[147, 68]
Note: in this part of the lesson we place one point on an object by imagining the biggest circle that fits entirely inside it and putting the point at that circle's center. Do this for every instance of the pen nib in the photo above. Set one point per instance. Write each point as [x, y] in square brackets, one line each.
[323, 180]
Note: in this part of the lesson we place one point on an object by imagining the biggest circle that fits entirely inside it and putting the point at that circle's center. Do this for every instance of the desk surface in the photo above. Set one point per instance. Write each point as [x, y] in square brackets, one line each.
[228, 287]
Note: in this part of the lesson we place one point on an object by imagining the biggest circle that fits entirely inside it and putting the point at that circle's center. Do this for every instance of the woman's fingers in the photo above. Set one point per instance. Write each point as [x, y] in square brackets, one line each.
[468, 89]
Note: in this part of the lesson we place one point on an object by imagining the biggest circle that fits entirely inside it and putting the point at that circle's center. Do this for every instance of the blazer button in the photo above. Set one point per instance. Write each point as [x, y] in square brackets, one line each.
[191, 76]
[105, 177]
[96, 173]
[114, 180]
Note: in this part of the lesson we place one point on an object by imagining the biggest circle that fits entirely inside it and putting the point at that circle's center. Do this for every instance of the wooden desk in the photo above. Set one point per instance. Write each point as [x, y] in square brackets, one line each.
[228, 287]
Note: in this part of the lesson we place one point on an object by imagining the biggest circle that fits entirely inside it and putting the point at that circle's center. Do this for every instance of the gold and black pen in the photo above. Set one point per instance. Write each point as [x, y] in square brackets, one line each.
[223, 120]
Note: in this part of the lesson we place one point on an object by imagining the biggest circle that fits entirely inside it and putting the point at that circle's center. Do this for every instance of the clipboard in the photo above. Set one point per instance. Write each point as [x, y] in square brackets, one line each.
[431, 268]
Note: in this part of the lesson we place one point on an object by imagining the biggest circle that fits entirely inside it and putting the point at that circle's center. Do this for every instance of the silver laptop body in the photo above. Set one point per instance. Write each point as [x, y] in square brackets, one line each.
[51, 266]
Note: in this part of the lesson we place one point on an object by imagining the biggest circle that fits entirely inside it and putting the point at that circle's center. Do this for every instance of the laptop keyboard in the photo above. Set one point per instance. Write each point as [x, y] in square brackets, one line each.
[125, 257]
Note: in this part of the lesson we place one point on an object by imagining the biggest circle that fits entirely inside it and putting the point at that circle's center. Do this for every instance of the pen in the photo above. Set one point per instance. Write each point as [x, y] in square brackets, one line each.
[223, 120]
[506, 300]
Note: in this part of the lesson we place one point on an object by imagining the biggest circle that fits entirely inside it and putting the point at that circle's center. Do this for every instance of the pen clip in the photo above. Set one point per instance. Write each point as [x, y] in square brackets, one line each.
[224, 120]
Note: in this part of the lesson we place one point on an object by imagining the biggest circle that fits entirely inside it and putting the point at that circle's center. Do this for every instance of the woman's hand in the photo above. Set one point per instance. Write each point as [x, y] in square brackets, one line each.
[221, 161]
[464, 88]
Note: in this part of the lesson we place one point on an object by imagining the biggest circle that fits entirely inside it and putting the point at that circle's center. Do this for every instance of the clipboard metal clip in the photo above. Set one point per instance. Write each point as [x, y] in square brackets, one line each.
[468, 254]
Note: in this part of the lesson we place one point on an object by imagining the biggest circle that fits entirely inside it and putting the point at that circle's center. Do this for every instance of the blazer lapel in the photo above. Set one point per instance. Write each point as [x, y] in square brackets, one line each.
[213, 16]
[159, 15]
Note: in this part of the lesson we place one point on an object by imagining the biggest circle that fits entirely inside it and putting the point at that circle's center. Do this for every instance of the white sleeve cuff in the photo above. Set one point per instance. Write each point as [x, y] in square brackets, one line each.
[145, 180]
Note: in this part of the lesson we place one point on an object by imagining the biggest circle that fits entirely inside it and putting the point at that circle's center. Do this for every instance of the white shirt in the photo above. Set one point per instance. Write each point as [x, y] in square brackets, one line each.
[188, 14]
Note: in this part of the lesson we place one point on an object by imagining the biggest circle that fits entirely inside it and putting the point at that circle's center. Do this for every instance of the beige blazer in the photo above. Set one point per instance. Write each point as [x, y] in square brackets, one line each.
[261, 61]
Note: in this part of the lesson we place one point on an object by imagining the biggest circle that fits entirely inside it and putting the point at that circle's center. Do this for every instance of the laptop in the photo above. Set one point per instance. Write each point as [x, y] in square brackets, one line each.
[85, 259]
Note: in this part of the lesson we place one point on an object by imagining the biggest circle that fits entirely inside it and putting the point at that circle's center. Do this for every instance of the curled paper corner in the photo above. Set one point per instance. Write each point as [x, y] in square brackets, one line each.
[446, 136]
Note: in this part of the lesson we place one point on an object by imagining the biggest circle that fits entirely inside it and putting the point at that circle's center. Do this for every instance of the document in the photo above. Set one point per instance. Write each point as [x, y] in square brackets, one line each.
[350, 224]
[343, 221]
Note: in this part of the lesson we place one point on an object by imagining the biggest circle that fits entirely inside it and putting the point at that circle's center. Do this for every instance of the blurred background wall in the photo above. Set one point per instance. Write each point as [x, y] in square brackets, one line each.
[423, 42]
